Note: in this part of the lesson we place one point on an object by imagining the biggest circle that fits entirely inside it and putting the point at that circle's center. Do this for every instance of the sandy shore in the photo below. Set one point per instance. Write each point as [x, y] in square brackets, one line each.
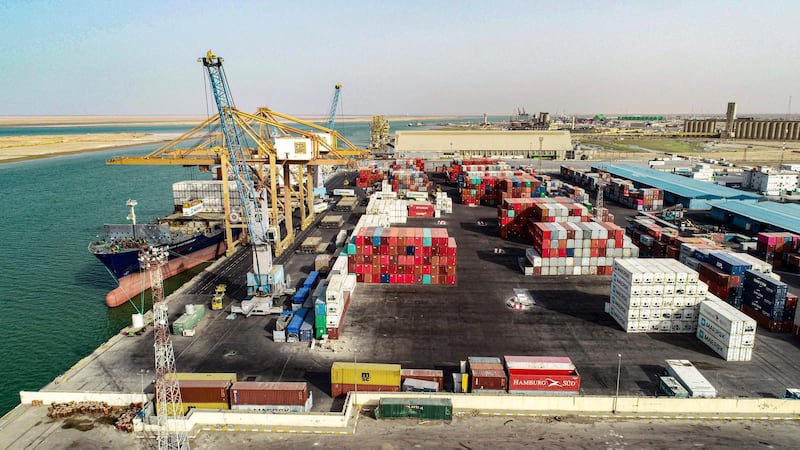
[19, 148]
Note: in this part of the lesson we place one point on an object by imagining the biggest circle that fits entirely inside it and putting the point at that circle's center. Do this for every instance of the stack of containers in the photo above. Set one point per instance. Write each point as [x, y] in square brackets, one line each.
[547, 375]
[443, 204]
[517, 186]
[486, 374]
[297, 321]
[771, 247]
[588, 180]
[768, 302]
[341, 287]
[577, 248]
[643, 199]
[395, 210]
[514, 214]
[402, 256]
[209, 191]
[793, 262]
[574, 192]
[483, 188]
[693, 253]
[724, 273]
[367, 377]
[320, 310]
[368, 176]
[420, 209]
[655, 296]
[270, 396]
[673, 241]
[725, 329]
[459, 166]
[405, 180]
[796, 327]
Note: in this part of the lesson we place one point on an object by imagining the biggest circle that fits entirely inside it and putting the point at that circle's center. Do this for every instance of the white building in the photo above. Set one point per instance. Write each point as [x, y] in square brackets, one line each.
[769, 181]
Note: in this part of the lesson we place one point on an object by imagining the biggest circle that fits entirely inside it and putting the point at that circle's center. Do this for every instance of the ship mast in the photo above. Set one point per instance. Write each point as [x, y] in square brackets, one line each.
[132, 215]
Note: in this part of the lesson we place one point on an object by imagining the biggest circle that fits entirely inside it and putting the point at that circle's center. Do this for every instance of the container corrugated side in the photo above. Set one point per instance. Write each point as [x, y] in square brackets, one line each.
[181, 376]
[521, 380]
[204, 391]
[365, 374]
[493, 380]
[557, 365]
[420, 408]
[436, 376]
[268, 393]
[339, 389]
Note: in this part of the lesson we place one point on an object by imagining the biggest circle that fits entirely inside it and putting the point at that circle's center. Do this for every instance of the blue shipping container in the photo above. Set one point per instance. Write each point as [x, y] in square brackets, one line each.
[297, 321]
[728, 263]
[312, 280]
[301, 295]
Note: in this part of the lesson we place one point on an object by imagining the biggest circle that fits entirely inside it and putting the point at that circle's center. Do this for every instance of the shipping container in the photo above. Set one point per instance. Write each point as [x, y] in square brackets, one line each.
[543, 365]
[339, 390]
[272, 396]
[691, 379]
[488, 380]
[186, 376]
[189, 319]
[525, 380]
[416, 385]
[365, 374]
[417, 408]
[203, 394]
[437, 376]
[670, 387]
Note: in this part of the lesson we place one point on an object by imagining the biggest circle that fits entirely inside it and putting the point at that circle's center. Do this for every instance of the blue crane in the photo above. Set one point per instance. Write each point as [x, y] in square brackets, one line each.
[253, 198]
[334, 104]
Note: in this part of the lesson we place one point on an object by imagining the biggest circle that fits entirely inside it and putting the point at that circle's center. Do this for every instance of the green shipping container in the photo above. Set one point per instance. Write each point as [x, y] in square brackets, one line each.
[319, 332]
[418, 408]
[320, 321]
[189, 319]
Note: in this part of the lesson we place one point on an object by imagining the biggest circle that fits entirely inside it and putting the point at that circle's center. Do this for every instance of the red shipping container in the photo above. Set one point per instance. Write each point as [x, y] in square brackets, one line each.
[204, 391]
[488, 379]
[269, 393]
[339, 390]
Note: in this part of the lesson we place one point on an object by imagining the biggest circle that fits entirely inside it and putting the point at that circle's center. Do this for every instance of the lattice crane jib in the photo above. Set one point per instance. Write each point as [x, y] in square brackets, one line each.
[253, 197]
[169, 405]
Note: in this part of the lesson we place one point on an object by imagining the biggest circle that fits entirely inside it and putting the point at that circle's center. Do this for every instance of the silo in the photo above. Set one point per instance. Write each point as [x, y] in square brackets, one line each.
[795, 131]
[685, 126]
[748, 130]
[712, 126]
[773, 131]
[760, 130]
[741, 129]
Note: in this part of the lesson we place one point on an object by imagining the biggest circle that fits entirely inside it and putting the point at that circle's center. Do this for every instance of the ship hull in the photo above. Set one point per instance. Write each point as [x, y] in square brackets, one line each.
[137, 282]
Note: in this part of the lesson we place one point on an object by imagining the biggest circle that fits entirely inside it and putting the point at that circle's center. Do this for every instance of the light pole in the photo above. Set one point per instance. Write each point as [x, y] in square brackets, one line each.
[355, 386]
[619, 368]
[141, 378]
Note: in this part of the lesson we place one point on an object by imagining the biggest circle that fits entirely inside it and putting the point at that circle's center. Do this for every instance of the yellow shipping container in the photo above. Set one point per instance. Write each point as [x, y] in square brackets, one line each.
[197, 405]
[368, 374]
[203, 376]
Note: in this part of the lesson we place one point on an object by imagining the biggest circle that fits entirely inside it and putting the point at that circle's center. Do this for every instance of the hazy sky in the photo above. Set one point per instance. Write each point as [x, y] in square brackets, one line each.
[82, 57]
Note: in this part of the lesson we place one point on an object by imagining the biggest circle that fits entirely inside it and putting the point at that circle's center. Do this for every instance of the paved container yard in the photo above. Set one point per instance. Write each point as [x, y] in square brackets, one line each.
[436, 327]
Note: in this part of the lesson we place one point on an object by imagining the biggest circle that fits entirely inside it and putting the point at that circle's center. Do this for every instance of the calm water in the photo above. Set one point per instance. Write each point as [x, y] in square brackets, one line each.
[52, 289]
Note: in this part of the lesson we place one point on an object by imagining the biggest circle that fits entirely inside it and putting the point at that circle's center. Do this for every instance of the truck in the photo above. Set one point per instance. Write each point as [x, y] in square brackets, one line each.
[670, 387]
[219, 295]
[690, 378]
[344, 192]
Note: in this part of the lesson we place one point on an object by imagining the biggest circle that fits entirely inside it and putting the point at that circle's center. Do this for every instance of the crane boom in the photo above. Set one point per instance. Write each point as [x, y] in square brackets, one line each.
[253, 198]
[334, 104]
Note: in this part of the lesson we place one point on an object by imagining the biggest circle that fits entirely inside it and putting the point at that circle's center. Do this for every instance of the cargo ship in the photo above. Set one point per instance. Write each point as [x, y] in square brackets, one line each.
[191, 237]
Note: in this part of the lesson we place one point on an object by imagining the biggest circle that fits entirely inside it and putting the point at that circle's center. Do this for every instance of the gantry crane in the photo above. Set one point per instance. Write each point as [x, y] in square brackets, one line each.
[334, 104]
[171, 423]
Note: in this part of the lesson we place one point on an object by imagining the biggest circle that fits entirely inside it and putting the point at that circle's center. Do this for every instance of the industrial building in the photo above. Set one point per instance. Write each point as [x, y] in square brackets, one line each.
[769, 181]
[485, 143]
[744, 128]
[691, 193]
[756, 217]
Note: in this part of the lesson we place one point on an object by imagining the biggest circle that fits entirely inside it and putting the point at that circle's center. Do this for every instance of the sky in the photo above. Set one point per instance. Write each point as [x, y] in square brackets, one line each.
[86, 57]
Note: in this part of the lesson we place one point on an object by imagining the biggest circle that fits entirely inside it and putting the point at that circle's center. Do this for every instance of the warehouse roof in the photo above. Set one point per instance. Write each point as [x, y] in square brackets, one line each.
[777, 215]
[491, 140]
[676, 184]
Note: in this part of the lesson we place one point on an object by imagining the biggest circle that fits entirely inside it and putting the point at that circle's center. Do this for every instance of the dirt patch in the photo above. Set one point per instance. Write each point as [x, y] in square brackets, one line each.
[80, 423]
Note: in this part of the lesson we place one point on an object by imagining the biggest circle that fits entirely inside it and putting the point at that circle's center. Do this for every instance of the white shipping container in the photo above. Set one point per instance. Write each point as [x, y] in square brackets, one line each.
[726, 317]
[694, 382]
[733, 353]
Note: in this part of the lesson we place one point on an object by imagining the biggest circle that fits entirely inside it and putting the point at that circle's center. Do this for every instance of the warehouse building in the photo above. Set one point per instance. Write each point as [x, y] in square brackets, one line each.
[484, 143]
[691, 193]
[757, 217]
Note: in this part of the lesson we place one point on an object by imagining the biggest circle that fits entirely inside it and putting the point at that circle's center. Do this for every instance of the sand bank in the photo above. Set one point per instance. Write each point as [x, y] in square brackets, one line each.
[18, 148]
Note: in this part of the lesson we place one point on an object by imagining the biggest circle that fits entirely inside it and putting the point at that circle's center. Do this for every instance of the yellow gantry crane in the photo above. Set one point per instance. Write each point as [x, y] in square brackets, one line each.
[283, 149]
